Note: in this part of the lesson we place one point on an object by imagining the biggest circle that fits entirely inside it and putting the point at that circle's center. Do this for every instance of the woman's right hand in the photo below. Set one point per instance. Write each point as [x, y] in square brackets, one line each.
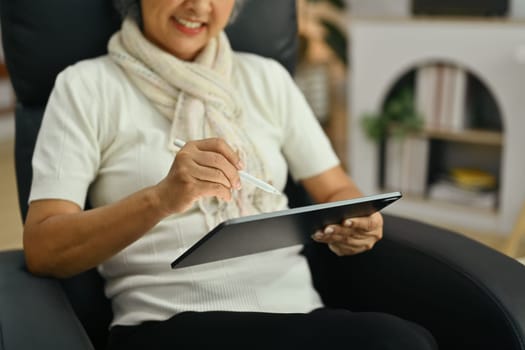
[61, 240]
[202, 168]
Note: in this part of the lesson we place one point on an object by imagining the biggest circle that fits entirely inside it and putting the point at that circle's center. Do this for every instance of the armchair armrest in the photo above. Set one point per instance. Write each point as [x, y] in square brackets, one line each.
[468, 295]
[34, 312]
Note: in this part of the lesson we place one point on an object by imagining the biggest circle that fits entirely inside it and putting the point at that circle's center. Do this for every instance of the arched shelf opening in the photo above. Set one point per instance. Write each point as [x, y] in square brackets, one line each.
[456, 156]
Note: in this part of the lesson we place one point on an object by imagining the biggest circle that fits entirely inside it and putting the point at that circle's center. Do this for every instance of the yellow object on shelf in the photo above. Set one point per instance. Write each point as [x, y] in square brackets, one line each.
[474, 179]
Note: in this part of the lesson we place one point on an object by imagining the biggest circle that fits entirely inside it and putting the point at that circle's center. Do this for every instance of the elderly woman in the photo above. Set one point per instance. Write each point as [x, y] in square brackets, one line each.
[108, 136]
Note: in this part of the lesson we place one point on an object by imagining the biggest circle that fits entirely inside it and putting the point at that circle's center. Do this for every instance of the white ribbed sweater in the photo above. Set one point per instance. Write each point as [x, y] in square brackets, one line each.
[100, 138]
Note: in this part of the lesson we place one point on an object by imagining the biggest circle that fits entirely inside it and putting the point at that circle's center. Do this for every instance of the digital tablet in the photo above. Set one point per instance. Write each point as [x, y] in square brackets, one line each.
[279, 229]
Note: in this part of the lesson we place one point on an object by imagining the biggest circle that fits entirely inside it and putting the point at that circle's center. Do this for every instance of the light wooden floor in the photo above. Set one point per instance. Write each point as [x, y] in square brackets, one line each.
[10, 222]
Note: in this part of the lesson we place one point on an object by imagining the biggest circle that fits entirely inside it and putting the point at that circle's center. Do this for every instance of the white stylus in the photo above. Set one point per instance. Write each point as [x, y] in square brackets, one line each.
[244, 175]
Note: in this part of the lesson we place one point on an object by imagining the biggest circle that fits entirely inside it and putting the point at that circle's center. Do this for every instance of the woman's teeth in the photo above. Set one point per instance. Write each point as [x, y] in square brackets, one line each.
[189, 24]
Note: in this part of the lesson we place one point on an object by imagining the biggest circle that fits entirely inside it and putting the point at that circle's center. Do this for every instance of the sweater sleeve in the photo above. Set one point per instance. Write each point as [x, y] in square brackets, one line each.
[67, 152]
[306, 147]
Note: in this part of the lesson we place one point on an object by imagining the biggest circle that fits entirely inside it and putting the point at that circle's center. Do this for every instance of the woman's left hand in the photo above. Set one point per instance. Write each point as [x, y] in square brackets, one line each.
[352, 236]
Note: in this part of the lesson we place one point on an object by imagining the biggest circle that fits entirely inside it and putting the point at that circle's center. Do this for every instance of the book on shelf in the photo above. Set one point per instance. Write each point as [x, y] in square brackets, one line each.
[441, 96]
[448, 191]
[406, 164]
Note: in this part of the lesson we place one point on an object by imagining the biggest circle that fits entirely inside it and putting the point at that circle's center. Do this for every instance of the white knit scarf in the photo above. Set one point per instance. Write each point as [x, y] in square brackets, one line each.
[200, 101]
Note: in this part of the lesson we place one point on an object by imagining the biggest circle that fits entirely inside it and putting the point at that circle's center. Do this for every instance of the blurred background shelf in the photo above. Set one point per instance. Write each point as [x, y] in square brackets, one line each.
[485, 132]
[483, 137]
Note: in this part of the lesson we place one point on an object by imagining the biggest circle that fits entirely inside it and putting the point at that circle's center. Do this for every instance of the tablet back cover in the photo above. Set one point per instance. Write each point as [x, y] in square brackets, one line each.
[262, 232]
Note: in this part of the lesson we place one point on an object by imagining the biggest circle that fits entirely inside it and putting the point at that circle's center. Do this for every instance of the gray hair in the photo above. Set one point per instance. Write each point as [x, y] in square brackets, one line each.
[236, 10]
[129, 8]
[132, 9]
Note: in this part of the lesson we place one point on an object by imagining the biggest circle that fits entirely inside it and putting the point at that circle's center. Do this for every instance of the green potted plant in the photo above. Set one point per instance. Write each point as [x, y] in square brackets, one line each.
[398, 118]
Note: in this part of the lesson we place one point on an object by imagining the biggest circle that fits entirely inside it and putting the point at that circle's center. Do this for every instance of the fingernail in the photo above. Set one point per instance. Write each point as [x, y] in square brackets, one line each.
[240, 165]
[238, 185]
[329, 230]
[317, 235]
[347, 223]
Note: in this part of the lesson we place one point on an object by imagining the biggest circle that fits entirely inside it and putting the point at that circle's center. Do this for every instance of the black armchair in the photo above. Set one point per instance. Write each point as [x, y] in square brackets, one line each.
[469, 296]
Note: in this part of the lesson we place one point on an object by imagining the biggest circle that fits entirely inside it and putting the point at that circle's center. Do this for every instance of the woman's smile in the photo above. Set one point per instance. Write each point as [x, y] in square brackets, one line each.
[187, 26]
[184, 27]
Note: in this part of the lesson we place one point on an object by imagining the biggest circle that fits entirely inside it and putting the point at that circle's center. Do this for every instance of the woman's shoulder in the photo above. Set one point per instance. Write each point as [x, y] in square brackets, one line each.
[251, 64]
[93, 72]
[257, 73]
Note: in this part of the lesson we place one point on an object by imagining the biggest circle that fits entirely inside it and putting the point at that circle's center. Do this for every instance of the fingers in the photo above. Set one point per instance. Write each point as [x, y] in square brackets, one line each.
[348, 244]
[209, 189]
[344, 250]
[202, 168]
[212, 160]
[339, 235]
[214, 167]
[218, 145]
[368, 225]
[353, 236]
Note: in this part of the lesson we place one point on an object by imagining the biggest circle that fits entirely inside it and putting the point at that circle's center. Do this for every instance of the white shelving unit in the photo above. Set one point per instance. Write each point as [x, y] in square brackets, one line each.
[383, 50]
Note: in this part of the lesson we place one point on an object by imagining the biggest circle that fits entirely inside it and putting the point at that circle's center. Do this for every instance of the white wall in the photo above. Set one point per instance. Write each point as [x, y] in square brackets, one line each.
[518, 9]
[380, 8]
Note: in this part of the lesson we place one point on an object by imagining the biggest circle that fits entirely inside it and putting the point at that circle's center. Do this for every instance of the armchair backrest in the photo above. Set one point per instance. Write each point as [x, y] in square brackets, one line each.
[42, 37]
